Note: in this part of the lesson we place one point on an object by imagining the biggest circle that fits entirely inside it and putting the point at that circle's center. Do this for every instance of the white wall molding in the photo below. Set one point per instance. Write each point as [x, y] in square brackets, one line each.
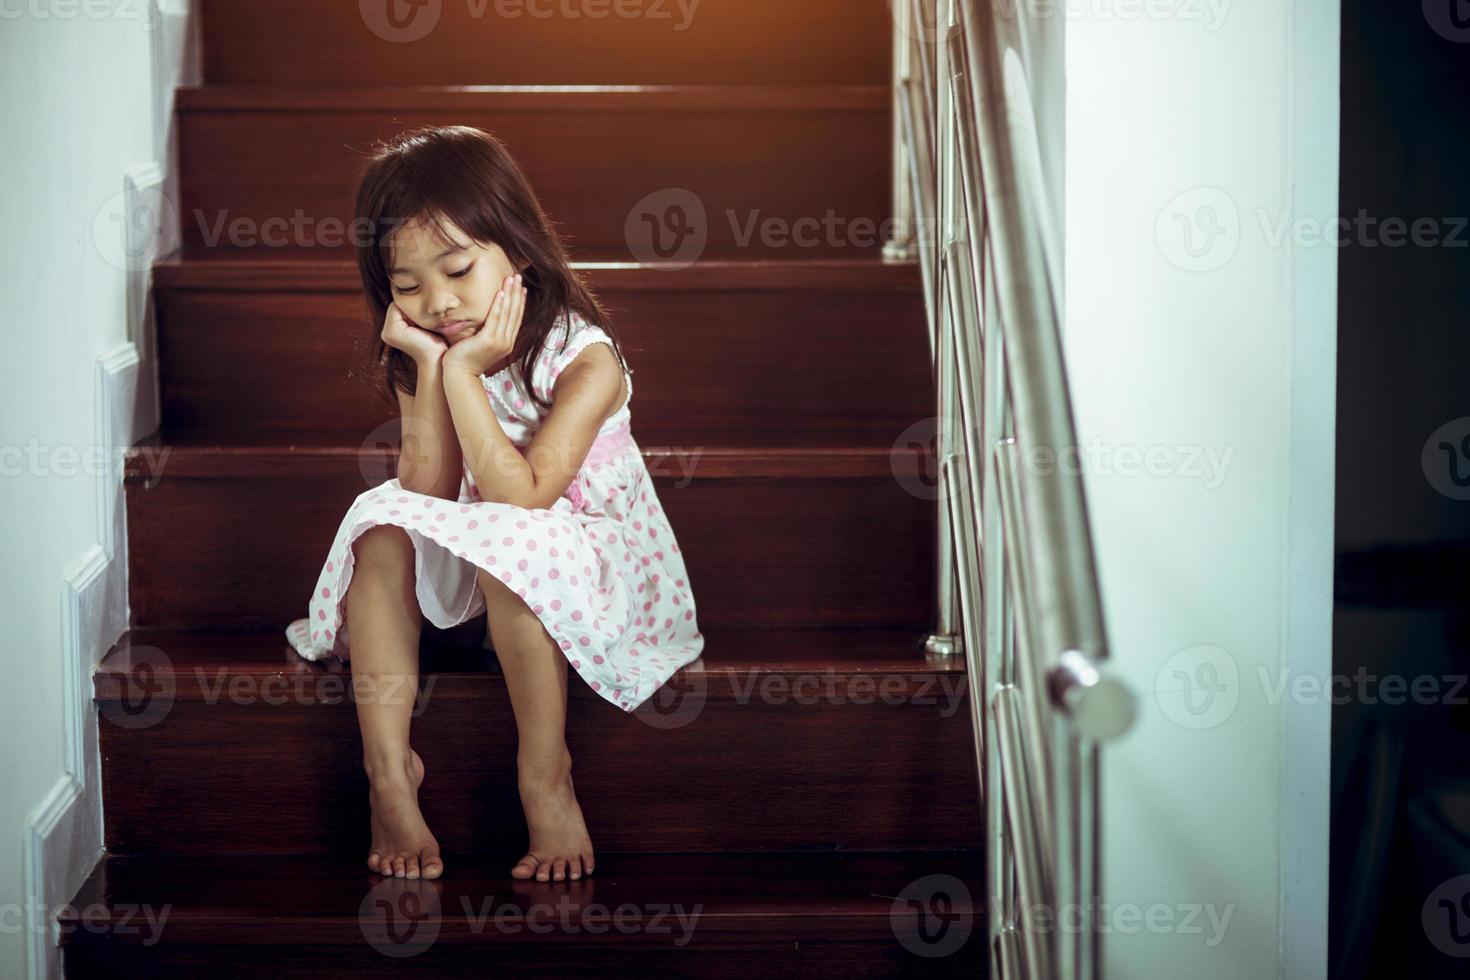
[60, 820]
[63, 837]
[152, 231]
[1306, 728]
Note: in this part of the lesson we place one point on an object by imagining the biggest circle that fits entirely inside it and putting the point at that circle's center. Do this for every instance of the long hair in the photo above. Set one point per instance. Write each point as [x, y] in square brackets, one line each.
[465, 176]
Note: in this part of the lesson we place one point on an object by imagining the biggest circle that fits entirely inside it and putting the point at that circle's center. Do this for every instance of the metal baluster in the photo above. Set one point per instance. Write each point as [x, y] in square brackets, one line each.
[994, 420]
[1021, 817]
[945, 641]
[900, 245]
[1028, 677]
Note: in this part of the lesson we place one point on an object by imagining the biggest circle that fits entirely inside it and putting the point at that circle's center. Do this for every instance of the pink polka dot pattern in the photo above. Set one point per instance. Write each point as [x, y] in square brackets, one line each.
[592, 566]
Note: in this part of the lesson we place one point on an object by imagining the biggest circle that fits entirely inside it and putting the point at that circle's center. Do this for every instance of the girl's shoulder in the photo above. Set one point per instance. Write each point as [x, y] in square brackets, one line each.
[568, 337]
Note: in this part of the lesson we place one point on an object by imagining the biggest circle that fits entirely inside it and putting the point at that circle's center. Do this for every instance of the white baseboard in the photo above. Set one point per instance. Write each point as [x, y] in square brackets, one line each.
[63, 837]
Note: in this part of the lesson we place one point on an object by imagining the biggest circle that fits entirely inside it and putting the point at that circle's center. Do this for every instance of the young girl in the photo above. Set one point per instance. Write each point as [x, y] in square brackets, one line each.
[520, 492]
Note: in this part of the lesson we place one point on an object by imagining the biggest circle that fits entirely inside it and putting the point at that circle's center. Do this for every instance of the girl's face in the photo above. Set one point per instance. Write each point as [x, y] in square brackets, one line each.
[445, 289]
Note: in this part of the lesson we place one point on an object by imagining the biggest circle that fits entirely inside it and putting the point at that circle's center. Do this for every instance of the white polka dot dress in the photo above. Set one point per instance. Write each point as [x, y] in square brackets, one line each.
[600, 568]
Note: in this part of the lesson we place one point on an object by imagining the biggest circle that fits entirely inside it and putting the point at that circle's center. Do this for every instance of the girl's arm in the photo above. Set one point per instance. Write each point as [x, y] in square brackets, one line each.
[586, 394]
[583, 398]
[431, 461]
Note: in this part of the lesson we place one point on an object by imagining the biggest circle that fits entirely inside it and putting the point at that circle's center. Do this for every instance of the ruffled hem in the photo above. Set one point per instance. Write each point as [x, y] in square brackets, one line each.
[443, 565]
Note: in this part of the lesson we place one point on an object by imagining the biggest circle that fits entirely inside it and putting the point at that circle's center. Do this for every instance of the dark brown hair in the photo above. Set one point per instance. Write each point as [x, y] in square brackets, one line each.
[464, 176]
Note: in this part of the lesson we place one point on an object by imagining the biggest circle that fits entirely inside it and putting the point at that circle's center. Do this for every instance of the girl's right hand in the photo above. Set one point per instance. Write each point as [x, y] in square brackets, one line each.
[424, 346]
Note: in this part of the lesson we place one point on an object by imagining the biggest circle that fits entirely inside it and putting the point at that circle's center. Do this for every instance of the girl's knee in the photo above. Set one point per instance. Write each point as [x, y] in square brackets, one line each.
[499, 597]
[383, 545]
[490, 586]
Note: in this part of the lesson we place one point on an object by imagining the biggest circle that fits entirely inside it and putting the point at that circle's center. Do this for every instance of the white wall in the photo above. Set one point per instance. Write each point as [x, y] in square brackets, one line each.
[86, 85]
[1217, 800]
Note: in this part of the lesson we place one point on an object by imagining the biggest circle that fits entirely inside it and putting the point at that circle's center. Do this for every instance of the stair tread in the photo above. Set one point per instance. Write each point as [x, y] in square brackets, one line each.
[196, 662]
[726, 441]
[734, 452]
[754, 896]
[328, 271]
[532, 98]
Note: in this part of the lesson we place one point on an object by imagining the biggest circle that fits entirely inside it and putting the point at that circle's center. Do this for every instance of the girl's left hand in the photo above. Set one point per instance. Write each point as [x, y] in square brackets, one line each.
[496, 337]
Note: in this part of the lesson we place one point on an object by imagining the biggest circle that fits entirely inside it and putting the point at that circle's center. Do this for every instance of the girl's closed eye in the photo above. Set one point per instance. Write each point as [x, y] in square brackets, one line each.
[453, 275]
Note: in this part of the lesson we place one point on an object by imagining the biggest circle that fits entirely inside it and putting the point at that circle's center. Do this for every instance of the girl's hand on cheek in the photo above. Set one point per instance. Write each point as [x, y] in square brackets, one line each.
[424, 346]
[496, 337]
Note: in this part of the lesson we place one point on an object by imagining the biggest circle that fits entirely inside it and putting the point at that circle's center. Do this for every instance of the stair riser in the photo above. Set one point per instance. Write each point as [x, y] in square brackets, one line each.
[246, 551]
[824, 767]
[703, 359]
[765, 179]
[542, 42]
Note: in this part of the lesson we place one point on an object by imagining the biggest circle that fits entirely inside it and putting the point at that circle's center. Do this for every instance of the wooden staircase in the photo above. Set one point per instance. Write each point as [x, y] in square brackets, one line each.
[805, 794]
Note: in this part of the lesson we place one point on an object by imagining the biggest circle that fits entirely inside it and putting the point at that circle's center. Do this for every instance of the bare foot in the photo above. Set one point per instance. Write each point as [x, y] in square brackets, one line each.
[559, 843]
[402, 844]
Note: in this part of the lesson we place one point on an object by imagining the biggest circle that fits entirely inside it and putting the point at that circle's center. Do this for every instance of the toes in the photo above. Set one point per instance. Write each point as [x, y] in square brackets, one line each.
[411, 866]
[373, 859]
[398, 869]
[559, 869]
[574, 867]
[433, 867]
[525, 867]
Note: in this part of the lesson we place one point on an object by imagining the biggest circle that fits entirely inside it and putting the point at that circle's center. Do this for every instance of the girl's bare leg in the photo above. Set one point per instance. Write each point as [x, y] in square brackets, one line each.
[383, 624]
[536, 676]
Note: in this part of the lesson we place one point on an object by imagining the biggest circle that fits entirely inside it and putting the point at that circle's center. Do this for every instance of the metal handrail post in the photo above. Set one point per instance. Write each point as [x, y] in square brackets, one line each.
[945, 640]
[900, 244]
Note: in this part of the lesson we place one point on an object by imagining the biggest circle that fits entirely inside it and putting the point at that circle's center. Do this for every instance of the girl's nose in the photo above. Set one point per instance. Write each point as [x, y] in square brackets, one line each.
[441, 305]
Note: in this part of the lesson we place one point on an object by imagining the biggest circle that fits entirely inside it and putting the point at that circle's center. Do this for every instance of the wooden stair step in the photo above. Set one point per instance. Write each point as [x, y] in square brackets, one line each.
[851, 739]
[712, 347]
[725, 451]
[729, 915]
[192, 661]
[251, 270]
[536, 42]
[749, 155]
[227, 537]
[526, 98]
